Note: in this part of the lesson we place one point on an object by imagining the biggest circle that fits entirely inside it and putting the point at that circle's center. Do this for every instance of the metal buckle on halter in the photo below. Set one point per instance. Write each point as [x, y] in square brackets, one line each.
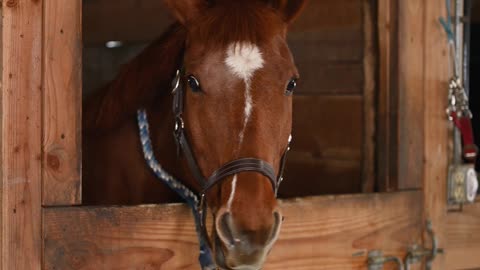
[201, 207]
[176, 81]
[179, 126]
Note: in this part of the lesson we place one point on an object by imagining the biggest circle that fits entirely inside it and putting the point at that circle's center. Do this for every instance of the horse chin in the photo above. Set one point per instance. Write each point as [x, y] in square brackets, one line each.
[220, 259]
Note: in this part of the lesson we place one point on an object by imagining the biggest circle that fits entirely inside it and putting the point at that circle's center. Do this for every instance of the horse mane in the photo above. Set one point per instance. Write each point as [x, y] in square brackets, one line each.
[137, 83]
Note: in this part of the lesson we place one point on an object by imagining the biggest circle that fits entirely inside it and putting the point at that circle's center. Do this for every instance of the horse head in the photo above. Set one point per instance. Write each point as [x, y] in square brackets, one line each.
[238, 79]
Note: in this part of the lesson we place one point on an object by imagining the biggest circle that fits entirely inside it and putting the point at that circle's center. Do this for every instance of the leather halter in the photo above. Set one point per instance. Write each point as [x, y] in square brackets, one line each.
[228, 169]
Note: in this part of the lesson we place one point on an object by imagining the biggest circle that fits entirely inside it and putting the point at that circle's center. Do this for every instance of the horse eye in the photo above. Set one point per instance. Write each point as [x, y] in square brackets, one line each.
[291, 86]
[194, 84]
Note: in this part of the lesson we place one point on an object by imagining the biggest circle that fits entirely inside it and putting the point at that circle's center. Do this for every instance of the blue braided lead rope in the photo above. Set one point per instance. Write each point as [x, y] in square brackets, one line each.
[205, 258]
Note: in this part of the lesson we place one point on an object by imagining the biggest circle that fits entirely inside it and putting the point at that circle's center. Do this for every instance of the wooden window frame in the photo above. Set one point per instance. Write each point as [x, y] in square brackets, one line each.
[40, 157]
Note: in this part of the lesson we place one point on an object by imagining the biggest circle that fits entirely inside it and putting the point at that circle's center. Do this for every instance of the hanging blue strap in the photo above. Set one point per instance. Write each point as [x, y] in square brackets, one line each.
[447, 23]
[205, 258]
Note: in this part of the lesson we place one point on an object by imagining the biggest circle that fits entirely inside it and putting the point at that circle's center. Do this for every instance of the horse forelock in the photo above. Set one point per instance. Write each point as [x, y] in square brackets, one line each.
[237, 21]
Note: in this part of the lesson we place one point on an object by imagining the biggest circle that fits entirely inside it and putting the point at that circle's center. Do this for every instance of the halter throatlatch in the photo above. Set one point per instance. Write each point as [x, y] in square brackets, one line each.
[197, 202]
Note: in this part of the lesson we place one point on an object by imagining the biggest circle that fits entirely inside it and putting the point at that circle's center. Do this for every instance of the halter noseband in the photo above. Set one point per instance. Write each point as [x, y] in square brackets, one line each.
[228, 169]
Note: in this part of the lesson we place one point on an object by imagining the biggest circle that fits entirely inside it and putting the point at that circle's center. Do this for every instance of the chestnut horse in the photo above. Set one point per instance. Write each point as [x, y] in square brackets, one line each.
[238, 79]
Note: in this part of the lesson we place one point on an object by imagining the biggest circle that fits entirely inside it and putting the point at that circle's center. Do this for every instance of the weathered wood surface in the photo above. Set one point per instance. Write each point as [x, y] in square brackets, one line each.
[62, 102]
[21, 99]
[370, 90]
[463, 238]
[387, 96]
[435, 138]
[411, 91]
[318, 233]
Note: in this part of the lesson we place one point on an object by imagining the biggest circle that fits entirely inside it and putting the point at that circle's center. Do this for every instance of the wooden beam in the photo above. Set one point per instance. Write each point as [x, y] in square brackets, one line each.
[387, 110]
[463, 239]
[62, 102]
[318, 233]
[21, 133]
[411, 77]
[435, 76]
[370, 52]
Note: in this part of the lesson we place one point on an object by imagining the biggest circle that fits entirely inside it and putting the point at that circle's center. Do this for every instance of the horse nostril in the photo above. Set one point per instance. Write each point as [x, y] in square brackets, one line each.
[277, 224]
[224, 229]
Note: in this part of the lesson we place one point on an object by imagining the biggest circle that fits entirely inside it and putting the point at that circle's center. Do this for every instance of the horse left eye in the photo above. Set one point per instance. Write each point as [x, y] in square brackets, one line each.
[194, 84]
[291, 87]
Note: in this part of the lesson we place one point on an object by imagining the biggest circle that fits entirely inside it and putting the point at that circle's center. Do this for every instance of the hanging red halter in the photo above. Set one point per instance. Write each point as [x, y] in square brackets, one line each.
[460, 114]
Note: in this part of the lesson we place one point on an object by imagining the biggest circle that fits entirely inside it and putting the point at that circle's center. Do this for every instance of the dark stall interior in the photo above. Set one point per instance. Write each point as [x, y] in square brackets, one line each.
[333, 148]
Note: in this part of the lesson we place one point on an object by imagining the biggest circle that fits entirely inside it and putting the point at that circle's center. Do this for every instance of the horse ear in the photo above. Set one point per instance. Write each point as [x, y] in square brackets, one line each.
[186, 11]
[290, 9]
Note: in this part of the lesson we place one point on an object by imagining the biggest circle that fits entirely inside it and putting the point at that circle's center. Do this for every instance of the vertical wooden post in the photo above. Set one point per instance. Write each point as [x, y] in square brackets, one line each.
[62, 51]
[411, 77]
[21, 131]
[369, 65]
[387, 111]
[435, 84]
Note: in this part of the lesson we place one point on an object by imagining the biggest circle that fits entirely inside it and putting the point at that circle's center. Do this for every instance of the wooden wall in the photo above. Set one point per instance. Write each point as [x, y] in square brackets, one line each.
[330, 122]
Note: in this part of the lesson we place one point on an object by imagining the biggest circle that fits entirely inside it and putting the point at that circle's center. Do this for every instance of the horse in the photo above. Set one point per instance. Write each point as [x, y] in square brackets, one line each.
[237, 76]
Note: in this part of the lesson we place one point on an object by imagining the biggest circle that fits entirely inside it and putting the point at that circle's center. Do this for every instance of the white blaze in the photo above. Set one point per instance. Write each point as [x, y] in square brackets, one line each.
[243, 59]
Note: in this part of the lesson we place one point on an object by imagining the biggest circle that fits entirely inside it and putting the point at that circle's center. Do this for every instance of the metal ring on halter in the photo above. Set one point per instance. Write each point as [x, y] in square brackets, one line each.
[176, 81]
[179, 124]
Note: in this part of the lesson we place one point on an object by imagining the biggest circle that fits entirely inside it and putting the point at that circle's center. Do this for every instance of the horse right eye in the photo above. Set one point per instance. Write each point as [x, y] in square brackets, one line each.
[194, 84]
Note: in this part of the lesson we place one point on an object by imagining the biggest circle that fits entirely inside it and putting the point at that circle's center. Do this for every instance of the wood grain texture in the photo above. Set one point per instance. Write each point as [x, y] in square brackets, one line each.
[387, 96]
[370, 51]
[21, 99]
[62, 102]
[332, 78]
[435, 145]
[411, 92]
[463, 239]
[318, 233]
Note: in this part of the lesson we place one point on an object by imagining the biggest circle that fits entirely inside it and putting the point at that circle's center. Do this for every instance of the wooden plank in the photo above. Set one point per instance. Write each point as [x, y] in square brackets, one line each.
[411, 72]
[334, 78]
[21, 99]
[328, 126]
[462, 238]
[387, 111]
[321, 46]
[330, 14]
[307, 175]
[139, 21]
[154, 237]
[369, 95]
[62, 102]
[435, 145]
